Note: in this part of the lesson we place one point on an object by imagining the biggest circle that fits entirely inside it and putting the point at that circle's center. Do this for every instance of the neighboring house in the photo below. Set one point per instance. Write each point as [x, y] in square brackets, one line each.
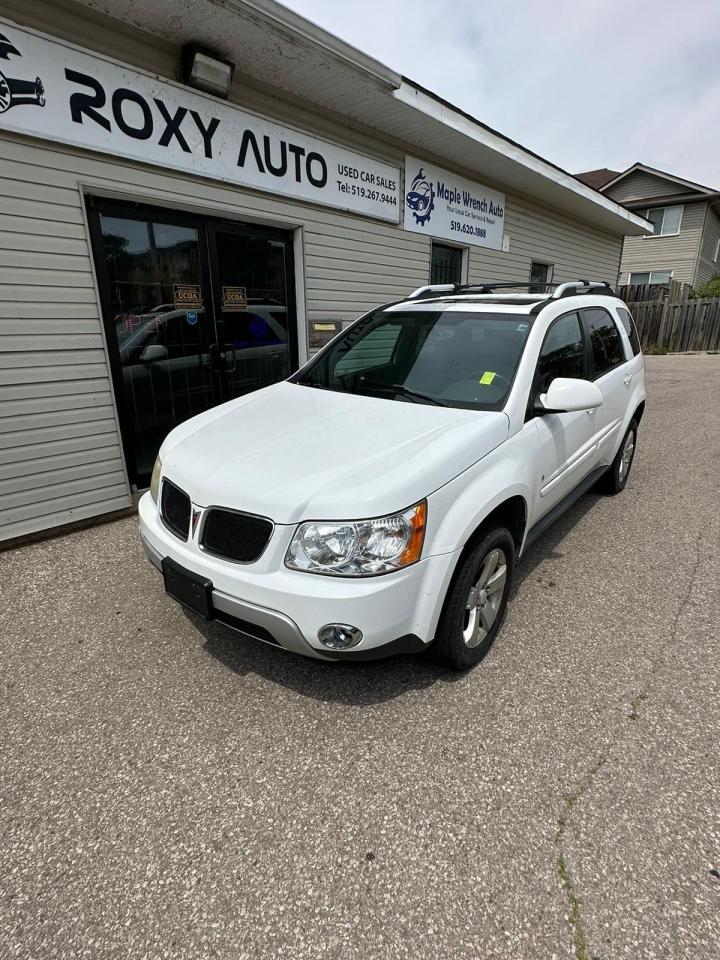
[686, 217]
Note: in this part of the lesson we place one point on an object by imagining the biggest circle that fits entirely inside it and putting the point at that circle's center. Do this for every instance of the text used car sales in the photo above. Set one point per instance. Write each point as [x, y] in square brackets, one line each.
[99, 104]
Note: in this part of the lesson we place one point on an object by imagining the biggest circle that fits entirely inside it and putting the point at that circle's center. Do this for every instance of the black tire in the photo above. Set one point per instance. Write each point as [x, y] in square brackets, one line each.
[618, 474]
[451, 647]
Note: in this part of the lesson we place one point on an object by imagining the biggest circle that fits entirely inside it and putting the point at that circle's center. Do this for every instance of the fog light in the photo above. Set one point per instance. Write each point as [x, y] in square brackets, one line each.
[339, 636]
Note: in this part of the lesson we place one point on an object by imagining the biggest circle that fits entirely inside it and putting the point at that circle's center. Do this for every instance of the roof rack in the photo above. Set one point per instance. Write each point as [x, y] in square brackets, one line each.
[438, 289]
[571, 289]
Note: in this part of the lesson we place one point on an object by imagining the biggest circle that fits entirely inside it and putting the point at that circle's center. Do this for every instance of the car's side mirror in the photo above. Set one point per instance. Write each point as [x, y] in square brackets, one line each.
[565, 394]
[154, 353]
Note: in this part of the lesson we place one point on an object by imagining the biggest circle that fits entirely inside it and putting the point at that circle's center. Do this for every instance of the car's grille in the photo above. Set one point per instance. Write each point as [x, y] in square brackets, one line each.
[235, 536]
[175, 509]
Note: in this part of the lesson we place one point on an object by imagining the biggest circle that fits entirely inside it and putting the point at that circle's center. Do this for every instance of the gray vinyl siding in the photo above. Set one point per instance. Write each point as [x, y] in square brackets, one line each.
[638, 186]
[677, 253]
[60, 449]
[708, 267]
[535, 233]
[60, 453]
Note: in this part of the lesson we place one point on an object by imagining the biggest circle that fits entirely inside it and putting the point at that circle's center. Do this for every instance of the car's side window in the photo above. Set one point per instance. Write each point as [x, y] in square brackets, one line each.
[562, 353]
[606, 348]
[630, 329]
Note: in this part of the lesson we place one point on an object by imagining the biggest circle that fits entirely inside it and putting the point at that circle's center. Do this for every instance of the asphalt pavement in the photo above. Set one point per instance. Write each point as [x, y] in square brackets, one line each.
[168, 790]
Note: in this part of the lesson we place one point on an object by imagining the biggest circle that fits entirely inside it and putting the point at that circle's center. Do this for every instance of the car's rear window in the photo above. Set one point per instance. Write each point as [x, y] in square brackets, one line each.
[446, 357]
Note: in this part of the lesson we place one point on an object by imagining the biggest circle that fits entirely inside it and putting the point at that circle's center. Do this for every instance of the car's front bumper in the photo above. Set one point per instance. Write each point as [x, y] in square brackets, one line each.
[397, 613]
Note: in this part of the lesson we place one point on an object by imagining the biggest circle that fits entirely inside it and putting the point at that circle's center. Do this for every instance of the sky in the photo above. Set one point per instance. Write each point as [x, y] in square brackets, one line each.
[585, 84]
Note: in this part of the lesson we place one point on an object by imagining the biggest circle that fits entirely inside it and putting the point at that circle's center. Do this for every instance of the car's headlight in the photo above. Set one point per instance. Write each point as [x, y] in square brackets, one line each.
[359, 548]
[155, 479]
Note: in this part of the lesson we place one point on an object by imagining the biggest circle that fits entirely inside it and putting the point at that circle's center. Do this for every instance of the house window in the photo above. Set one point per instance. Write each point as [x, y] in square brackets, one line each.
[666, 220]
[445, 264]
[717, 251]
[650, 276]
[541, 275]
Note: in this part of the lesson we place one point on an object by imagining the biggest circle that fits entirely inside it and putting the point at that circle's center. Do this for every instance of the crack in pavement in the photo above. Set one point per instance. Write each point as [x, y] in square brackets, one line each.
[574, 901]
[570, 800]
[660, 661]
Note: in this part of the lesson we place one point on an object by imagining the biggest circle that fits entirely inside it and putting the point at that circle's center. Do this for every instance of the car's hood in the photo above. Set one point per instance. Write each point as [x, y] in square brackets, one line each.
[291, 452]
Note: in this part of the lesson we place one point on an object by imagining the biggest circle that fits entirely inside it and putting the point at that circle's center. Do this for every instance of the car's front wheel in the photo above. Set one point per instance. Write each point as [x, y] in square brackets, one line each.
[476, 601]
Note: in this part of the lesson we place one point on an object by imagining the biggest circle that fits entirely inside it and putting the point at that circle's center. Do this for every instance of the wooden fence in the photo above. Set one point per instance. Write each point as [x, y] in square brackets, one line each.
[668, 320]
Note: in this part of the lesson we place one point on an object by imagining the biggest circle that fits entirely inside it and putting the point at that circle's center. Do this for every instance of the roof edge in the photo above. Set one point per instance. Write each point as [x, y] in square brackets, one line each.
[435, 107]
[287, 19]
[663, 174]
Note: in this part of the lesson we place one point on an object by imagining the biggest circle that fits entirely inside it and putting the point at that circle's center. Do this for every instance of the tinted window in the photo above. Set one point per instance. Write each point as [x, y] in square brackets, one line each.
[254, 328]
[562, 353]
[172, 330]
[606, 346]
[449, 357]
[629, 325]
[180, 337]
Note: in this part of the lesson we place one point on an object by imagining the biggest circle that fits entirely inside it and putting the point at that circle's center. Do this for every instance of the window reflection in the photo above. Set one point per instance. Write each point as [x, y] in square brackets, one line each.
[253, 271]
[163, 350]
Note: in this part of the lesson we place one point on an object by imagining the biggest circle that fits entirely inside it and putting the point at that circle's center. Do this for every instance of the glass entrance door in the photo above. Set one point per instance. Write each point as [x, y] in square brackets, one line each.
[253, 297]
[196, 312]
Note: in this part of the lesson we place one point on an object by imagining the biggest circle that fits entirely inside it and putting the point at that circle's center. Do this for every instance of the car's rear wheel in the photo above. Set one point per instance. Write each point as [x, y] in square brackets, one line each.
[616, 478]
[476, 600]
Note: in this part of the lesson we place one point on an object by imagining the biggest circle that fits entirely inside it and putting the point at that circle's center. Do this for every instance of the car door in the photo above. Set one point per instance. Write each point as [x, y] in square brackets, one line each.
[610, 371]
[567, 450]
[633, 350]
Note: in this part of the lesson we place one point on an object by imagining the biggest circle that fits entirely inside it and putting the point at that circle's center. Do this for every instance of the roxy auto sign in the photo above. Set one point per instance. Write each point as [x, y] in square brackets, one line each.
[56, 91]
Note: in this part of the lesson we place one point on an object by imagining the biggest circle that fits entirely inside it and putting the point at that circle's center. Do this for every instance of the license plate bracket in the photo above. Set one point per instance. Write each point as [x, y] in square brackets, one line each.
[188, 588]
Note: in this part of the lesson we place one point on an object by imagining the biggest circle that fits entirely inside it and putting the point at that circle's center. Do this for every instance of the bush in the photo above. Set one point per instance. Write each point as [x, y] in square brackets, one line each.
[709, 289]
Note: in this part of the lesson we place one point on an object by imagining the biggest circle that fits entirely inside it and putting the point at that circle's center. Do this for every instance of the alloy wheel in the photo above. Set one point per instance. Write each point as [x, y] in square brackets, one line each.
[485, 597]
[626, 456]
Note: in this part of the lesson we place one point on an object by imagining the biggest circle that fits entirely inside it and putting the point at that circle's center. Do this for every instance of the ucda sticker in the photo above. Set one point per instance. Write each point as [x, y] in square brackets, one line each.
[14, 92]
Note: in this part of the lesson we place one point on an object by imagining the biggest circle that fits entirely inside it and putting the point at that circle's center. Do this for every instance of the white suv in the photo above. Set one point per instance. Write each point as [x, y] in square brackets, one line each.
[377, 501]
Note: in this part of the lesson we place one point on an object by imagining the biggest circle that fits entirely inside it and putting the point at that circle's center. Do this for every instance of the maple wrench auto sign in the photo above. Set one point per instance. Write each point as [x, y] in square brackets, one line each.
[441, 204]
[56, 91]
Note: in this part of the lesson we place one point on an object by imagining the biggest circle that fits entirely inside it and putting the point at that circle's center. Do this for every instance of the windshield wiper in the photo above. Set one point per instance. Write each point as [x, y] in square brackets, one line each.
[405, 391]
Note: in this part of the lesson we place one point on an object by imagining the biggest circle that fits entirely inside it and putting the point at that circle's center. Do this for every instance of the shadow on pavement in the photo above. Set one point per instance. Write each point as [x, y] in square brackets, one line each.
[354, 684]
[547, 547]
[363, 684]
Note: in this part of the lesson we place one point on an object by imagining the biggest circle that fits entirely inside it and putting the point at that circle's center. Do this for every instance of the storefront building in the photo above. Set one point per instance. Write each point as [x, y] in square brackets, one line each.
[163, 249]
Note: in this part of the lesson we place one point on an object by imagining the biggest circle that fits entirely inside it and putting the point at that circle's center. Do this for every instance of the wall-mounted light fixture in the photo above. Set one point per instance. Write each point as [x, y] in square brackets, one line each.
[201, 68]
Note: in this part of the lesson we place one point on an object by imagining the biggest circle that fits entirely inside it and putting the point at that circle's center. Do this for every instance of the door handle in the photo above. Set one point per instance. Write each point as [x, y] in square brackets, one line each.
[228, 357]
[222, 357]
[627, 379]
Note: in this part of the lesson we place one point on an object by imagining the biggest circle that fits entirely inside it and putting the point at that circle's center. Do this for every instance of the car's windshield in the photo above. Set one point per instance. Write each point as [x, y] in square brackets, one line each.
[446, 357]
